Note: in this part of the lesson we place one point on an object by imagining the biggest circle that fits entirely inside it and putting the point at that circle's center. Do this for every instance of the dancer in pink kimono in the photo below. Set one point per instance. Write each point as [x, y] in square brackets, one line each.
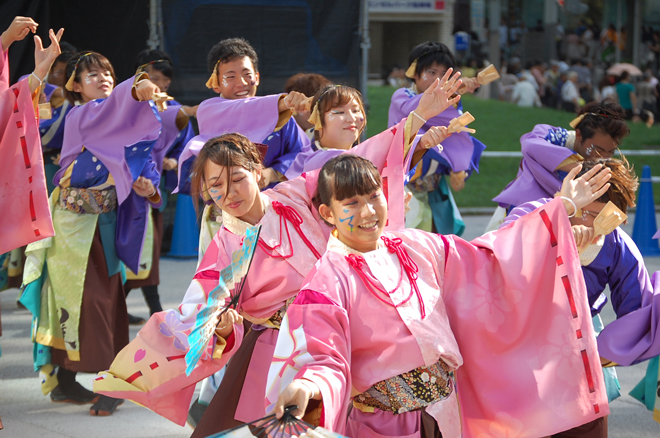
[151, 370]
[385, 318]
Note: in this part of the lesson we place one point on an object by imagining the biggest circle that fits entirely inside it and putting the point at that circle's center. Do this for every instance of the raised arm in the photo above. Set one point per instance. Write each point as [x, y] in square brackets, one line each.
[44, 58]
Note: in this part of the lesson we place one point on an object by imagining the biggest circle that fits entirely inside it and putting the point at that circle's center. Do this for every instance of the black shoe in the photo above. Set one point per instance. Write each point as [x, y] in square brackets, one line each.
[195, 413]
[76, 394]
[135, 320]
[105, 406]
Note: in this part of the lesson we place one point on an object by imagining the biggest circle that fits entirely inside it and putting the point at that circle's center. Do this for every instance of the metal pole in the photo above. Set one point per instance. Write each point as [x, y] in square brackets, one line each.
[152, 42]
[617, 52]
[494, 17]
[161, 30]
[365, 44]
[637, 32]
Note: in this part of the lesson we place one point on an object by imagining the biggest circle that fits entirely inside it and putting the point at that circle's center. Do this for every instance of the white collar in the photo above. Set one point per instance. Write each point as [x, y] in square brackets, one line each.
[238, 226]
[591, 252]
[570, 140]
[336, 245]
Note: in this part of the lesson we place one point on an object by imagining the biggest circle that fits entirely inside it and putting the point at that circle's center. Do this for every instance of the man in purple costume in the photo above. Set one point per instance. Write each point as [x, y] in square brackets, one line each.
[233, 64]
[612, 260]
[460, 153]
[549, 152]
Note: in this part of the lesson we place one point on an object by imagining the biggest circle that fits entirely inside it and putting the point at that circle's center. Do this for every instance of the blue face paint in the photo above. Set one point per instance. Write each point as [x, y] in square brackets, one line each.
[349, 219]
[215, 194]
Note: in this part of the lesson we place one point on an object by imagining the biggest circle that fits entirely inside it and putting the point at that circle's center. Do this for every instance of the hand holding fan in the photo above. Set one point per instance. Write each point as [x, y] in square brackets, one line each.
[232, 277]
[271, 427]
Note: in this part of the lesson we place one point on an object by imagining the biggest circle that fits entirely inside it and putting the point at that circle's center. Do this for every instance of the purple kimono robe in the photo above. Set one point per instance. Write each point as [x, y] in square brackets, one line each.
[543, 149]
[120, 132]
[254, 117]
[171, 142]
[460, 151]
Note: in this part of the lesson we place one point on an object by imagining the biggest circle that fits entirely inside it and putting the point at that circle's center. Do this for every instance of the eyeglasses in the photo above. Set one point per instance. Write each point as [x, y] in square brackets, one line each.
[600, 151]
[587, 213]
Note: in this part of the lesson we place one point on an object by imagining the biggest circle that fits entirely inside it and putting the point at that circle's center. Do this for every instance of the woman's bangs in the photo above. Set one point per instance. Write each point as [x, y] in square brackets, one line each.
[355, 178]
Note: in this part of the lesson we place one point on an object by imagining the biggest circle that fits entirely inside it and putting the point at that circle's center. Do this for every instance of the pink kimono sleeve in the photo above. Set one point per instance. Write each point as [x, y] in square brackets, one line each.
[151, 370]
[24, 202]
[517, 304]
[314, 343]
[4, 69]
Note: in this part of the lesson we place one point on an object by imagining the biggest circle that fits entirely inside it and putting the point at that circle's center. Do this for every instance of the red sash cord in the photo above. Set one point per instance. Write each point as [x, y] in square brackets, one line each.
[407, 265]
[288, 213]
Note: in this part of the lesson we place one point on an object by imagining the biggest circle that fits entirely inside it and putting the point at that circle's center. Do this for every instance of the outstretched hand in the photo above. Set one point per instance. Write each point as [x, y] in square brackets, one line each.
[17, 30]
[587, 188]
[44, 58]
[437, 96]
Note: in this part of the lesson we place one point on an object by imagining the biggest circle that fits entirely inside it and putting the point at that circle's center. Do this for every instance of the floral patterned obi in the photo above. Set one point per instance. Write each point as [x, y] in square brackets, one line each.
[427, 183]
[87, 201]
[409, 391]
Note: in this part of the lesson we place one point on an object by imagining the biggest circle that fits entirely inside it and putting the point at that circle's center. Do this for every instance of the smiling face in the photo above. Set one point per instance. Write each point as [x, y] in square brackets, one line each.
[95, 83]
[360, 219]
[242, 198]
[237, 79]
[342, 126]
[427, 76]
[600, 145]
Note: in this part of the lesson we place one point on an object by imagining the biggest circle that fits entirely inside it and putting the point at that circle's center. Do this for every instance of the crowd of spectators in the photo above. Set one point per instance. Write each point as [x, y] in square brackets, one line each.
[577, 76]
[584, 78]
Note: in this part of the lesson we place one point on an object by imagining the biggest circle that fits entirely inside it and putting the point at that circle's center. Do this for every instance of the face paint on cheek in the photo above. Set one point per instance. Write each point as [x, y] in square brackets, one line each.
[215, 195]
[589, 150]
[350, 221]
[253, 83]
[425, 77]
[224, 82]
[88, 79]
[331, 117]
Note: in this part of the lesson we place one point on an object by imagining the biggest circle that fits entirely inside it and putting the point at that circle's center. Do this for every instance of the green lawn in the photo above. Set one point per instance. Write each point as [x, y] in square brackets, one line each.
[499, 125]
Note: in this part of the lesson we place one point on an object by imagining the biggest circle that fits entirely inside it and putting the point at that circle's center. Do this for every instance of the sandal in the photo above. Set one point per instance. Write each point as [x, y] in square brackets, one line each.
[105, 406]
[75, 394]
